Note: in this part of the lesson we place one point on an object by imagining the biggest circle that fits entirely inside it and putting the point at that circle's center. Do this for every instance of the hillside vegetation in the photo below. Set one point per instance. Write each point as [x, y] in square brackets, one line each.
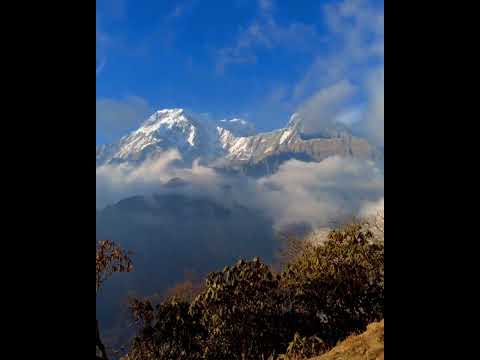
[319, 297]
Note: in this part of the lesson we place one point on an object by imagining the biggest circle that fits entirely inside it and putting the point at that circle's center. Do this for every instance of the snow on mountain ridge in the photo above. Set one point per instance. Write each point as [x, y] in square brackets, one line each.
[169, 118]
[232, 140]
[175, 128]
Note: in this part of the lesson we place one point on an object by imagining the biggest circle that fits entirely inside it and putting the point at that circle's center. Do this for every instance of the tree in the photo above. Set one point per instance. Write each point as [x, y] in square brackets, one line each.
[110, 259]
[166, 331]
[238, 314]
[241, 310]
[338, 285]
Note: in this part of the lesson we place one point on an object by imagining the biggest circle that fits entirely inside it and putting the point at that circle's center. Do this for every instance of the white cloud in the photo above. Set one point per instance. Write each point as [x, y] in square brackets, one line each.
[355, 56]
[350, 51]
[118, 181]
[359, 28]
[375, 117]
[325, 106]
[356, 37]
[300, 192]
[318, 193]
[372, 208]
[114, 182]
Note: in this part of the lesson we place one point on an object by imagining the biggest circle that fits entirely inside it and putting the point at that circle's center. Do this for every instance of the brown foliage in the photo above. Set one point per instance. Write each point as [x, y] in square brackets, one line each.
[168, 331]
[241, 310]
[248, 311]
[339, 284]
[110, 259]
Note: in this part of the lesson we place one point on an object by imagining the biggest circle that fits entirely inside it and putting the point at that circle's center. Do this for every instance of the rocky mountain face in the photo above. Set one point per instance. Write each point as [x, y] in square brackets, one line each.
[231, 144]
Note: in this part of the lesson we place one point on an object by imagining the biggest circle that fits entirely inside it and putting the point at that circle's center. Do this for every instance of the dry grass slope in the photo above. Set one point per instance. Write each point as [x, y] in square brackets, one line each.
[366, 346]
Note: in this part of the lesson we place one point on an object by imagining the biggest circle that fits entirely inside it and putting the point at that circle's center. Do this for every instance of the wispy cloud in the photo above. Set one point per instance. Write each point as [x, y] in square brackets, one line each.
[101, 64]
[180, 9]
[355, 41]
[323, 108]
[345, 80]
[102, 41]
[107, 12]
[355, 55]
[265, 5]
[266, 33]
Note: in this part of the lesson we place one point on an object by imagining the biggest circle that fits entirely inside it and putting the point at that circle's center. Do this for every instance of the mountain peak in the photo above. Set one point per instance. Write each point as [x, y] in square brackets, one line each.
[165, 116]
[295, 120]
[168, 119]
[170, 111]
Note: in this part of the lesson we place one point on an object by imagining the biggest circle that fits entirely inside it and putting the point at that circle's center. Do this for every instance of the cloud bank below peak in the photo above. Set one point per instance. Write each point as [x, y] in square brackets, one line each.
[299, 192]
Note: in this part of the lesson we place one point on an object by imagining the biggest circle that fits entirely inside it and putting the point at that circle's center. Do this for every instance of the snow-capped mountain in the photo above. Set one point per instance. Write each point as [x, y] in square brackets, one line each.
[164, 130]
[230, 144]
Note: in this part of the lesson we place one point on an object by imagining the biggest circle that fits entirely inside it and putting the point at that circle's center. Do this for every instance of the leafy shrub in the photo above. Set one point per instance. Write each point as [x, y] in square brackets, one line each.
[167, 331]
[339, 284]
[110, 259]
[241, 309]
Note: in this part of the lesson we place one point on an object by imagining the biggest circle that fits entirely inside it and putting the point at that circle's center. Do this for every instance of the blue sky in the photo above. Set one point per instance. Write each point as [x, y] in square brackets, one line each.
[257, 59]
